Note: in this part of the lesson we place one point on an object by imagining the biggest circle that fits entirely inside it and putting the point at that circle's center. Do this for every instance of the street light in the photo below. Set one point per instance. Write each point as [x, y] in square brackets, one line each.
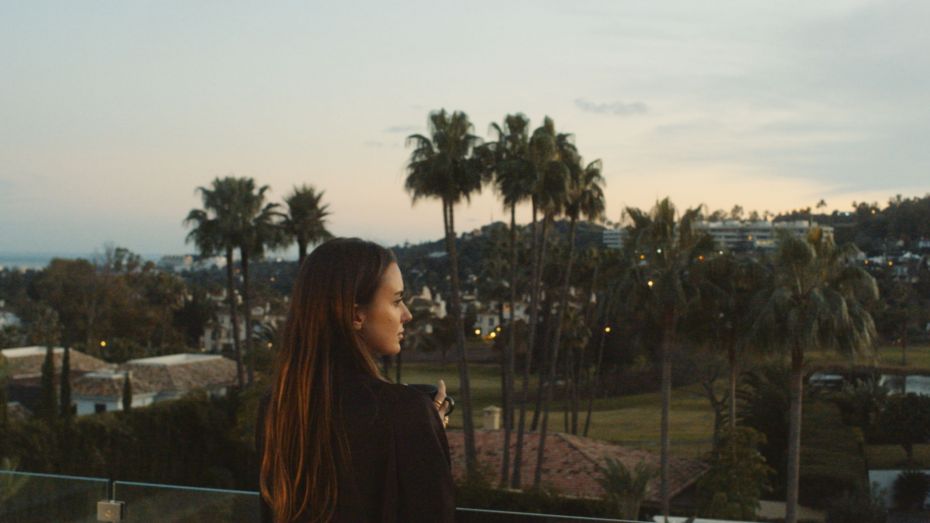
[103, 344]
[607, 329]
[650, 283]
[477, 332]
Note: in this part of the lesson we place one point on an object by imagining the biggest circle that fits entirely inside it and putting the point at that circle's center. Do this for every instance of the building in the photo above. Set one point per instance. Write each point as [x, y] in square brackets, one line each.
[102, 391]
[613, 238]
[26, 362]
[24, 371]
[218, 334]
[572, 462]
[487, 321]
[740, 236]
[175, 375]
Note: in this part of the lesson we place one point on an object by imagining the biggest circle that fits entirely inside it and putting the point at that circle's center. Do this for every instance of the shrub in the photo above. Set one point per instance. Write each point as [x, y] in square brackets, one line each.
[738, 477]
[854, 508]
[910, 490]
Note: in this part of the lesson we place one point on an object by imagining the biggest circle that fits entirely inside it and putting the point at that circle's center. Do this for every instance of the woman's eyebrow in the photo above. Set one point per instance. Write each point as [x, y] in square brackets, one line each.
[399, 293]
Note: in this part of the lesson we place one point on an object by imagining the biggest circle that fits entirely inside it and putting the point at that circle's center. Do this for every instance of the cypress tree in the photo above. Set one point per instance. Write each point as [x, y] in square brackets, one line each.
[65, 385]
[4, 415]
[48, 408]
[127, 391]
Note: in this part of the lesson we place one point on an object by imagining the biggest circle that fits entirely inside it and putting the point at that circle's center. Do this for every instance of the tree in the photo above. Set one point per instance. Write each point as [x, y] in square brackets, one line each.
[443, 166]
[305, 220]
[550, 181]
[816, 302]
[514, 180]
[738, 477]
[910, 488]
[218, 228]
[905, 420]
[46, 330]
[65, 384]
[624, 489]
[585, 197]
[4, 413]
[665, 248]
[730, 288]
[127, 391]
[259, 232]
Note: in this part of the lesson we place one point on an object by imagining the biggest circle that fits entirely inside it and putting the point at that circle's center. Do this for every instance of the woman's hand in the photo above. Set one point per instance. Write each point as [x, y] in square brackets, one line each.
[440, 403]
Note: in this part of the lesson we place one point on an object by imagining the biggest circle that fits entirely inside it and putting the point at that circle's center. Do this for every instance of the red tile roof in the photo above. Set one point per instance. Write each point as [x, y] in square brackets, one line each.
[571, 462]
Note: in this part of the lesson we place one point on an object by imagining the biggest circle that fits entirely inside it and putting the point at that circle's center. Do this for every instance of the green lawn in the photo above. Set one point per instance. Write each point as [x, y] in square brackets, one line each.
[918, 357]
[893, 456]
[632, 420]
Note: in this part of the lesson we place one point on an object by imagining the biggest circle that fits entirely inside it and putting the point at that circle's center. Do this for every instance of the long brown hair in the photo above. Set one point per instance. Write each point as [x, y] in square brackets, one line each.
[304, 443]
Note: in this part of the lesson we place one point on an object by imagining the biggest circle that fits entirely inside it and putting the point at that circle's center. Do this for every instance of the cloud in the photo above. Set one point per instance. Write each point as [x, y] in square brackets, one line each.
[405, 129]
[618, 108]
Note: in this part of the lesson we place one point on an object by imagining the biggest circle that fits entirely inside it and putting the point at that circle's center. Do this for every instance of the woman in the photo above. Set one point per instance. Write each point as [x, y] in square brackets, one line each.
[337, 441]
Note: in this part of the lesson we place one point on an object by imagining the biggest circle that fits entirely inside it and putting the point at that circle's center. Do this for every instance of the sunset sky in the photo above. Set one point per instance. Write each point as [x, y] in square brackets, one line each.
[112, 113]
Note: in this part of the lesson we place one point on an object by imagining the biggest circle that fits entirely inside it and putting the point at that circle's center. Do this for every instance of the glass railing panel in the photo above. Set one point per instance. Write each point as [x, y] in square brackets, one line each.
[474, 515]
[177, 504]
[30, 497]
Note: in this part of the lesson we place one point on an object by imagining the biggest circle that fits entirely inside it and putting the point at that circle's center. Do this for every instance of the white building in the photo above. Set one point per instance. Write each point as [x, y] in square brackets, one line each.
[218, 334]
[737, 235]
[102, 391]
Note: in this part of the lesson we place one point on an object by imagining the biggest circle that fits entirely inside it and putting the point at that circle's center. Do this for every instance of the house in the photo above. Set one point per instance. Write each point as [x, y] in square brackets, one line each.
[174, 375]
[572, 462]
[26, 362]
[102, 391]
[218, 334]
[24, 371]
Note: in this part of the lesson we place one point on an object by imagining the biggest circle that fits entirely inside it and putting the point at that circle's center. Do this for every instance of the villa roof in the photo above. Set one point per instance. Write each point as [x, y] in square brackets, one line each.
[25, 362]
[107, 384]
[571, 465]
[183, 372]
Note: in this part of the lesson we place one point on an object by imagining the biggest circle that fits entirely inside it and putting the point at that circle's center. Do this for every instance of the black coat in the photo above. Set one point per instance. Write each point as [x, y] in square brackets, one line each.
[401, 469]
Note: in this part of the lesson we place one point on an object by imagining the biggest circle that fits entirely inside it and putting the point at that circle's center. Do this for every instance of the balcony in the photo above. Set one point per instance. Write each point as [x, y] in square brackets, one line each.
[29, 497]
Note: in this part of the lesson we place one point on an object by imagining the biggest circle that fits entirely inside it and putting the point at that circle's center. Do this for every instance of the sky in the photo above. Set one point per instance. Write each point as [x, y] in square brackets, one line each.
[112, 113]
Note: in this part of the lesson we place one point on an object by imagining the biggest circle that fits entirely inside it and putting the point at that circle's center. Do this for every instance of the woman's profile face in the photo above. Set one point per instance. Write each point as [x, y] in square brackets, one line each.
[381, 322]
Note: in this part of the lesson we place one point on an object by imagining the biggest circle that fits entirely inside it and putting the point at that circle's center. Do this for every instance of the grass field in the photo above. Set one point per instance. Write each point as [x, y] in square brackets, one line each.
[632, 420]
[918, 357]
[893, 456]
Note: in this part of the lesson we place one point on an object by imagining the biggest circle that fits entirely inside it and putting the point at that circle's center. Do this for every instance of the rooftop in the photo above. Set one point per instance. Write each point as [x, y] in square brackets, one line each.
[571, 465]
[174, 359]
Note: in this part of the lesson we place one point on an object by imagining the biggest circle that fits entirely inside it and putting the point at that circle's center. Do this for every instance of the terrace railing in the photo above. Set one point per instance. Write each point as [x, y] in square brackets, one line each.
[28, 497]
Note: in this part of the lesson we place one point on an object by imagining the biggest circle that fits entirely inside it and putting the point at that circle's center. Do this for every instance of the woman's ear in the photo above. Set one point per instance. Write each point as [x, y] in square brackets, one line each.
[358, 317]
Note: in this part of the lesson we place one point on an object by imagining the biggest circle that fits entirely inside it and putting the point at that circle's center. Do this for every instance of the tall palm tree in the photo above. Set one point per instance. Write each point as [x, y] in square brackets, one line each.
[817, 301]
[217, 229]
[260, 230]
[550, 182]
[514, 180]
[664, 248]
[443, 166]
[305, 220]
[585, 197]
[731, 288]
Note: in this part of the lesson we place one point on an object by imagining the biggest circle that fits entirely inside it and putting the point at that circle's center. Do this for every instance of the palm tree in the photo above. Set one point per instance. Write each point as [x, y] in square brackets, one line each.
[549, 187]
[817, 301]
[443, 165]
[260, 231]
[585, 196]
[665, 247]
[305, 220]
[217, 228]
[730, 291]
[514, 180]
